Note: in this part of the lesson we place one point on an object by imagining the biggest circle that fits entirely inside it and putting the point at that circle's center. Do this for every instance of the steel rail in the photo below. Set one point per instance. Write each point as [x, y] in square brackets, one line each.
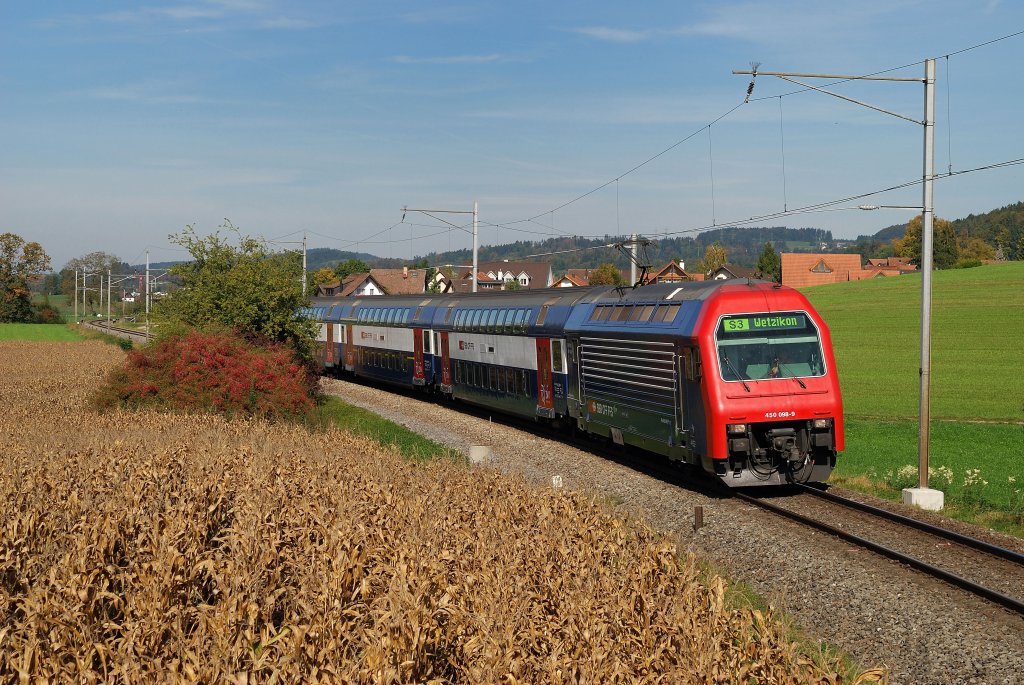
[127, 331]
[966, 541]
[1006, 601]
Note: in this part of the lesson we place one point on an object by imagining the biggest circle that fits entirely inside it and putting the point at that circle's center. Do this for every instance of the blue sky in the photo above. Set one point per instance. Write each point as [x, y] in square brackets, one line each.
[121, 122]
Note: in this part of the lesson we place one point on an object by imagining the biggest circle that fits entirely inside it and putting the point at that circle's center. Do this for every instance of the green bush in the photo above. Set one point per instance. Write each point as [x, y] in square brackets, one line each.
[967, 264]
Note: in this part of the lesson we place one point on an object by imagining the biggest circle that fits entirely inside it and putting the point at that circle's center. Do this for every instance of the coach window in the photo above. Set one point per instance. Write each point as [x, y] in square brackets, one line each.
[426, 342]
[459, 316]
[636, 313]
[648, 310]
[492, 321]
[603, 312]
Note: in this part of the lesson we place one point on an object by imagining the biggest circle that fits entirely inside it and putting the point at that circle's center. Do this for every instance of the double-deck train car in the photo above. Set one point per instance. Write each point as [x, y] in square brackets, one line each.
[737, 377]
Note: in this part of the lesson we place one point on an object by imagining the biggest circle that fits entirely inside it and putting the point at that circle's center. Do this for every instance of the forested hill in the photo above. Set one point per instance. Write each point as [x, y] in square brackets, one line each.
[1003, 227]
[743, 246]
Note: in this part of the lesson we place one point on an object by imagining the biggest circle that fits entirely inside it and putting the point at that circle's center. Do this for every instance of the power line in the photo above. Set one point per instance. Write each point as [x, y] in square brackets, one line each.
[511, 225]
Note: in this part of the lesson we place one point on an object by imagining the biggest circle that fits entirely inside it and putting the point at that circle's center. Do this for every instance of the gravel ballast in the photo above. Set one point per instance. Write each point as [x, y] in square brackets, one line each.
[878, 611]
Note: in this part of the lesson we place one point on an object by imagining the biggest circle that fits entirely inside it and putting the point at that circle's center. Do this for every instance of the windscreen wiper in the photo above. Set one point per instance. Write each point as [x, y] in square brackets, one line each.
[790, 372]
[736, 373]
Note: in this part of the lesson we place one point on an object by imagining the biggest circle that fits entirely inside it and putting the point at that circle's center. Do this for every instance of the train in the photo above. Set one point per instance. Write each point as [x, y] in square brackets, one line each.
[735, 377]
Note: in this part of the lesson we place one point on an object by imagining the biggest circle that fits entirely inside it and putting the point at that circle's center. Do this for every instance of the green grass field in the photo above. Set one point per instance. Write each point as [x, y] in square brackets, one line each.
[977, 399]
[977, 332]
[38, 331]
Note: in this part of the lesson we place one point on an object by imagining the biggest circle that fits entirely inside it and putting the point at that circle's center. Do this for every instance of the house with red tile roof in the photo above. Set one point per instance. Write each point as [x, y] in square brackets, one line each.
[673, 272]
[494, 275]
[801, 270]
[581, 277]
[571, 280]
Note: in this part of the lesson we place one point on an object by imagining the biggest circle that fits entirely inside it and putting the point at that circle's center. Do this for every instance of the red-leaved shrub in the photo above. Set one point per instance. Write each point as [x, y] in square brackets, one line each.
[219, 372]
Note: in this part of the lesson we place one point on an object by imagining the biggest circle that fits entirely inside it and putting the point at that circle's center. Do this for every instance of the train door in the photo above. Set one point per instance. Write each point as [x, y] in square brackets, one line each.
[446, 366]
[573, 401]
[428, 356]
[545, 389]
[329, 352]
[350, 349]
[690, 409]
[417, 356]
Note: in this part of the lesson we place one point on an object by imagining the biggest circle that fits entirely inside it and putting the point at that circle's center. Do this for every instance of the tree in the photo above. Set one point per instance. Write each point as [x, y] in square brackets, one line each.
[20, 262]
[714, 257]
[349, 267]
[945, 245]
[94, 264]
[245, 287]
[769, 263]
[320, 277]
[606, 274]
[976, 248]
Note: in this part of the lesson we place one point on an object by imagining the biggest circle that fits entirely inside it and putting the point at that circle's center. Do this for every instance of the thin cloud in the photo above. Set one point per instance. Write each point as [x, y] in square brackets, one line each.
[452, 59]
[288, 23]
[613, 35]
[442, 15]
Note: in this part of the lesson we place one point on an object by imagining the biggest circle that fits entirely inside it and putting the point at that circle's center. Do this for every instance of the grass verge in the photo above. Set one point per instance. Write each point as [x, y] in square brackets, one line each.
[40, 332]
[973, 463]
[335, 412]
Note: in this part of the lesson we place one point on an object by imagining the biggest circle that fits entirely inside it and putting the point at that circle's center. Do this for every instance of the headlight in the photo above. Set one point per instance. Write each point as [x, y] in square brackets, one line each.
[736, 428]
[821, 424]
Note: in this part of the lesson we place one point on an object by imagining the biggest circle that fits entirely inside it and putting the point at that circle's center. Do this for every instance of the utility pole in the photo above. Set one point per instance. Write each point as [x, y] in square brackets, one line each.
[632, 260]
[147, 294]
[476, 243]
[304, 291]
[476, 229]
[76, 296]
[108, 299]
[921, 496]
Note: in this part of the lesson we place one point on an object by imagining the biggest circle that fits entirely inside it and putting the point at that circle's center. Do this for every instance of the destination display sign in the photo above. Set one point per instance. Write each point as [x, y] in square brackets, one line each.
[766, 322]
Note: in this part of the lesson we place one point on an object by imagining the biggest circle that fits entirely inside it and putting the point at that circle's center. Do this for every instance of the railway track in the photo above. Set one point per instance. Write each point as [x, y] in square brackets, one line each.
[975, 566]
[129, 333]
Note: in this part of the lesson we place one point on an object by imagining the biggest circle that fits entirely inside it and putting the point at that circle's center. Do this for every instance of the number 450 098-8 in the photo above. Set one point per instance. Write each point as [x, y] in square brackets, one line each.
[779, 414]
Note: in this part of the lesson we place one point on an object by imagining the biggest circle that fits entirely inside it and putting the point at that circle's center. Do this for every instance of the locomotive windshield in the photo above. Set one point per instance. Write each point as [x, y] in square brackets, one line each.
[765, 346]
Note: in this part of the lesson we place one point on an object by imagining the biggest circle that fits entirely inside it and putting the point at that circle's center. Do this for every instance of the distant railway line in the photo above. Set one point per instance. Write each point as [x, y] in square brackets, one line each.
[130, 333]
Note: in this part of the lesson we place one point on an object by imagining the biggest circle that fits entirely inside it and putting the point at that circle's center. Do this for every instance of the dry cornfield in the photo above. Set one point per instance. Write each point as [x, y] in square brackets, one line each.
[142, 546]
